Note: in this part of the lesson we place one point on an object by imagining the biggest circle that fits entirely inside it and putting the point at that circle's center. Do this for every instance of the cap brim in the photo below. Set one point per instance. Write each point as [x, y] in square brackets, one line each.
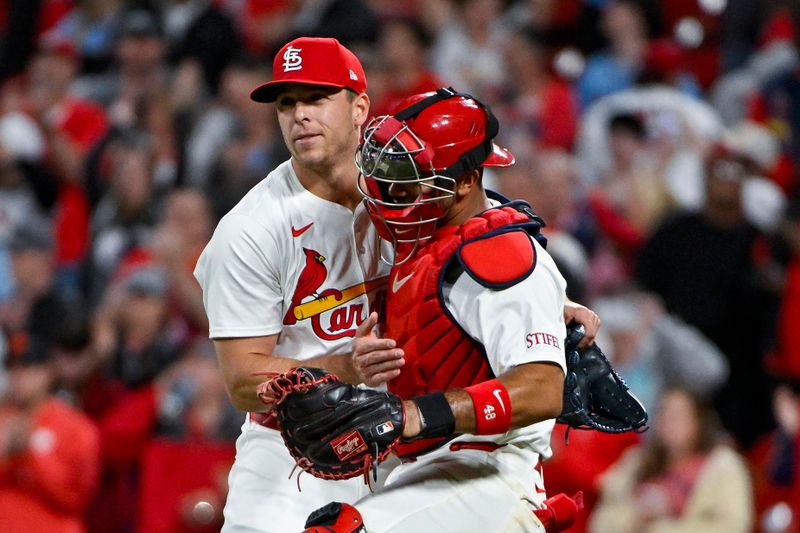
[500, 157]
[268, 92]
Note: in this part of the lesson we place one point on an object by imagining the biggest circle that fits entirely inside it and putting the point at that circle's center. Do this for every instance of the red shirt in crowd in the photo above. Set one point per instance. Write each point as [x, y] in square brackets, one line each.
[47, 487]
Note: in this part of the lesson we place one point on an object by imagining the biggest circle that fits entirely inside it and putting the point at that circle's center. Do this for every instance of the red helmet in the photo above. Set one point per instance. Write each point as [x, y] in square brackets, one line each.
[409, 162]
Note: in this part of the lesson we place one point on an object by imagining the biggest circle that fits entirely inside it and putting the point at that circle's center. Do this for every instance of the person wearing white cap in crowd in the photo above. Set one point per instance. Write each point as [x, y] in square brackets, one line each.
[21, 145]
[291, 274]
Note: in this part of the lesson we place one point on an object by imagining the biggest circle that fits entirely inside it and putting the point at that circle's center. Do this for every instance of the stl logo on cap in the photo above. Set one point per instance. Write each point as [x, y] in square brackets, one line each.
[320, 61]
[292, 59]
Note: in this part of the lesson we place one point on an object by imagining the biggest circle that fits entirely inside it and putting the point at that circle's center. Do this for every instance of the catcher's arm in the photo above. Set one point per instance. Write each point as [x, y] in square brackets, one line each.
[335, 430]
[535, 391]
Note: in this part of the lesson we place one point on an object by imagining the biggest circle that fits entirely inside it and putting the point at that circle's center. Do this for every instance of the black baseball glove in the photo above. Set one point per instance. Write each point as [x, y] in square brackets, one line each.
[595, 396]
[333, 430]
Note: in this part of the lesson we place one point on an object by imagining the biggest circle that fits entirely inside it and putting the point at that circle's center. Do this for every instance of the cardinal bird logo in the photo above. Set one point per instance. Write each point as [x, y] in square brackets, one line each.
[311, 279]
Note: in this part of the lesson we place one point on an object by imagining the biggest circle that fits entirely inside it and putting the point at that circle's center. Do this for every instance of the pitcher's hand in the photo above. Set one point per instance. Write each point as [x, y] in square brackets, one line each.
[374, 359]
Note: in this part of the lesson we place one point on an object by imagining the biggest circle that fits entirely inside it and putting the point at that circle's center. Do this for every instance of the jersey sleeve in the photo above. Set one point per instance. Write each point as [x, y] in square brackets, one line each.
[240, 281]
[521, 324]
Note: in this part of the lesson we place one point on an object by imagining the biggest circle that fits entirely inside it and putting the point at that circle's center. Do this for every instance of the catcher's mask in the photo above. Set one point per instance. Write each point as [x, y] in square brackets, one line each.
[410, 162]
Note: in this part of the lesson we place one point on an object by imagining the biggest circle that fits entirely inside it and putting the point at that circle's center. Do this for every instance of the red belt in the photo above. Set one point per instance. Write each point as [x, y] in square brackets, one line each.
[484, 446]
[268, 420]
[409, 455]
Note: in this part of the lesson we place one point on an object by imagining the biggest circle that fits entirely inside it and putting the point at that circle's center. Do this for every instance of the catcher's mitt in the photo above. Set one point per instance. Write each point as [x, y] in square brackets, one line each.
[595, 396]
[333, 430]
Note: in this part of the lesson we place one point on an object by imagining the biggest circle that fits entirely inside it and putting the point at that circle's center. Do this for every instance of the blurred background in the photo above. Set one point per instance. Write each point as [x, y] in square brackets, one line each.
[659, 140]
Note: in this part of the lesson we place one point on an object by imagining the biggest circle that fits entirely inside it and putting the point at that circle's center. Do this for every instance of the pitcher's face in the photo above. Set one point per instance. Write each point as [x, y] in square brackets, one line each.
[320, 125]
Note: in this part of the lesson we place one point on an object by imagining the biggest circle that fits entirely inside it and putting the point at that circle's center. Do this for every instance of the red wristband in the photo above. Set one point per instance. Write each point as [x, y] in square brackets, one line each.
[492, 407]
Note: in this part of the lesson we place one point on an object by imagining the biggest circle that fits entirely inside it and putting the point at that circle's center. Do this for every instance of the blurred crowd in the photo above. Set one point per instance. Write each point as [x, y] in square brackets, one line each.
[658, 139]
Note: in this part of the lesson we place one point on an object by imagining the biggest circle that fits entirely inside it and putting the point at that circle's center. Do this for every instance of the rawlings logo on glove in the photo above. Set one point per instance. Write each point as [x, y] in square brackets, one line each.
[332, 429]
[348, 445]
[595, 396]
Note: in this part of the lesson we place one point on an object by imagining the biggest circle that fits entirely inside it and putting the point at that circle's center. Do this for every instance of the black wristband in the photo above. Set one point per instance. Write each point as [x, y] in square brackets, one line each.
[436, 416]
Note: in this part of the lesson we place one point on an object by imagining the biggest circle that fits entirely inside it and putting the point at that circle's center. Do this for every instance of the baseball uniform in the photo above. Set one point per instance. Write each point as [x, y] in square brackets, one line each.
[457, 487]
[286, 262]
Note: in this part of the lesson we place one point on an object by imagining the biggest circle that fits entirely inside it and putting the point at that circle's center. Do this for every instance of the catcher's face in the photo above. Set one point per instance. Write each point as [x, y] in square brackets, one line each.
[319, 124]
[404, 195]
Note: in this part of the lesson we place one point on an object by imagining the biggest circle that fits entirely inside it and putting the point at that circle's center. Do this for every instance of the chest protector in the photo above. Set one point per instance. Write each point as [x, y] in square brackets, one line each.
[495, 249]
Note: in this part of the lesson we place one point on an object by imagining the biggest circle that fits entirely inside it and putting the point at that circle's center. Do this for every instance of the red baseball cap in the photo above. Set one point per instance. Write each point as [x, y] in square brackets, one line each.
[315, 61]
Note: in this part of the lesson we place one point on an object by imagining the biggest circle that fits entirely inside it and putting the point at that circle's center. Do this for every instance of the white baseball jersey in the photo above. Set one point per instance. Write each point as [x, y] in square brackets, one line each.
[521, 324]
[475, 490]
[273, 258]
[284, 261]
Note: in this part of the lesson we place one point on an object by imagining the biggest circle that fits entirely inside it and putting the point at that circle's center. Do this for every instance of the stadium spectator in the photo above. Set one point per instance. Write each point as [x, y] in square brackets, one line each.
[201, 31]
[124, 219]
[190, 451]
[617, 67]
[72, 124]
[541, 109]
[72, 127]
[763, 200]
[182, 233]
[678, 130]
[145, 338]
[91, 26]
[49, 452]
[229, 118]
[28, 319]
[21, 178]
[468, 52]
[82, 377]
[349, 21]
[136, 91]
[655, 350]
[401, 68]
[775, 57]
[249, 140]
[626, 204]
[152, 434]
[705, 266]
[684, 477]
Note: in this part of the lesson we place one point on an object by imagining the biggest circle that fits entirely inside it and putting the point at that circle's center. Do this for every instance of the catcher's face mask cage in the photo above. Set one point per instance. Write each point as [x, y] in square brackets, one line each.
[408, 182]
[403, 194]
